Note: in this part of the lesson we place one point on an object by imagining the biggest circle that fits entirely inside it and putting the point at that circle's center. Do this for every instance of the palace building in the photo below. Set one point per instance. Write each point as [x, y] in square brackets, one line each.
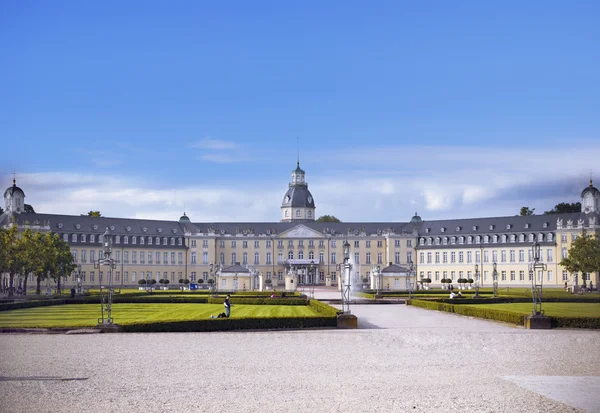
[237, 254]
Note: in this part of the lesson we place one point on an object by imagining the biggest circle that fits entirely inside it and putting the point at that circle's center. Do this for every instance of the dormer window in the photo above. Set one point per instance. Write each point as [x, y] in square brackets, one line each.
[545, 225]
[445, 241]
[128, 229]
[443, 229]
[458, 229]
[522, 238]
[82, 237]
[125, 239]
[470, 240]
[142, 240]
[461, 240]
[117, 239]
[474, 227]
[495, 239]
[74, 238]
[157, 240]
[503, 238]
[491, 227]
[437, 241]
[133, 240]
[96, 227]
[508, 226]
[453, 240]
[172, 241]
[149, 240]
[60, 225]
[159, 230]
[92, 238]
[513, 238]
[427, 230]
[179, 241]
[478, 239]
[527, 225]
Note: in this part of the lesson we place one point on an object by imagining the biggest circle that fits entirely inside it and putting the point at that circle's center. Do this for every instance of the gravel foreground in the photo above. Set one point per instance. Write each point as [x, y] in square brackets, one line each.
[401, 359]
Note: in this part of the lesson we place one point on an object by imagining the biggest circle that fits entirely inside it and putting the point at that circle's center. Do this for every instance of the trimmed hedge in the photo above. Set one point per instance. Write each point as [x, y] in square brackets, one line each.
[259, 301]
[505, 316]
[228, 324]
[576, 322]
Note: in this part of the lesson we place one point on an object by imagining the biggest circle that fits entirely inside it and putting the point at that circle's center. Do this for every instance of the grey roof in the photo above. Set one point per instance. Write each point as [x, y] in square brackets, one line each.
[394, 268]
[12, 189]
[235, 268]
[298, 196]
[591, 189]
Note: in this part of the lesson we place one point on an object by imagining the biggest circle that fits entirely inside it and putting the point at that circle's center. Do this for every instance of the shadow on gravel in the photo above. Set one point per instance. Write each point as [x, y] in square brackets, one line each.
[365, 325]
[42, 378]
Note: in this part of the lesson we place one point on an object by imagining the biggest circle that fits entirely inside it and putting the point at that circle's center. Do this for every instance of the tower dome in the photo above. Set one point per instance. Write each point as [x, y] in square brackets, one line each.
[590, 199]
[184, 219]
[416, 220]
[14, 198]
[298, 203]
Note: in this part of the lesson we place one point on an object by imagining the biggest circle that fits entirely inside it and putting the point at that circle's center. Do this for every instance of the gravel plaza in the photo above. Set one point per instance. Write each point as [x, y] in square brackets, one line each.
[400, 359]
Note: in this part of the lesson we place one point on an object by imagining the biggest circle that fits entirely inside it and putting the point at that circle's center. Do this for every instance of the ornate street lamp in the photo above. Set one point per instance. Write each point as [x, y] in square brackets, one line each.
[312, 278]
[106, 293]
[346, 287]
[476, 280]
[378, 280]
[235, 282]
[411, 273]
[79, 285]
[537, 285]
[495, 280]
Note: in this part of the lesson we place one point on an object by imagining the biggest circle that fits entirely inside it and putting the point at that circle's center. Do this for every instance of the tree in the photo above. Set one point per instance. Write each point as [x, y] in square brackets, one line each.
[94, 214]
[565, 207]
[1, 211]
[11, 257]
[584, 255]
[29, 208]
[526, 211]
[328, 218]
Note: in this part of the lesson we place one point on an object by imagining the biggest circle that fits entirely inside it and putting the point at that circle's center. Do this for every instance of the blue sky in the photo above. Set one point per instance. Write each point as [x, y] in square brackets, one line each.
[453, 109]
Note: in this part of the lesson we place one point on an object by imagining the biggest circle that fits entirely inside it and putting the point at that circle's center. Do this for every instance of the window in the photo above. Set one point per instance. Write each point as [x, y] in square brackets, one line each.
[550, 275]
[379, 244]
[204, 243]
[193, 243]
[565, 276]
[421, 258]
[74, 254]
[149, 258]
[521, 275]
[469, 256]
[409, 256]
[333, 258]
[221, 244]
[512, 255]
[244, 244]
[256, 244]
[452, 257]
[300, 255]
[494, 256]
[279, 258]
[233, 244]
[379, 258]
[311, 255]
[269, 244]
[298, 215]
[461, 256]
[513, 276]
[309, 214]
[565, 253]
[321, 244]
[233, 258]
[503, 275]
[290, 244]
[409, 243]
[356, 244]
[133, 240]
[437, 257]
[74, 238]
[205, 257]
[126, 239]
[269, 258]
[357, 258]
[91, 276]
[172, 258]
[256, 258]
[193, 258]
[165, 257]
[157, 240]
[84, 258]
[397, 257]
[280, 275]
[549, 255]
[477, 257]
[397, 243]
[244, 258]
[453, 275]
[368, 258]
[290, 255]
[521, 256]
[149, 240]
[368, 244]
[301, 243]
[142, 240]
[142, 257]
[165, 242]
[503, 256]
[222, 258]
[428, 258]
[445, 258]
[563, 237]
[333, 244]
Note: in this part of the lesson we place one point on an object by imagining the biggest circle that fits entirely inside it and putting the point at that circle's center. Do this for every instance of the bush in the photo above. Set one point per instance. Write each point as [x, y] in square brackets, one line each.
[426, 280]
[365, 280]
[165, 281]
[210, 281]
[268, 281]
[161, 281]
[505, 316]
[142, 282]
[324, 309]
[200, 281]
[186, 281]
[470, 281]
[181, 281]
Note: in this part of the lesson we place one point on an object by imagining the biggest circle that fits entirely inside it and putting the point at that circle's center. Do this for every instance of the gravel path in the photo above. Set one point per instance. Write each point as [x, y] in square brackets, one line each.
[401, 359]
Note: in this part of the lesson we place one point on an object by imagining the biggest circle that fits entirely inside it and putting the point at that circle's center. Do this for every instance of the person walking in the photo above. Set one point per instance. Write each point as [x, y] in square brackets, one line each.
[227, 305]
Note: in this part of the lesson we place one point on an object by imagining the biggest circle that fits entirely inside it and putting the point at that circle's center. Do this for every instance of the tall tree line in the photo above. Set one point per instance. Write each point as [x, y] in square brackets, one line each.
[45, 255]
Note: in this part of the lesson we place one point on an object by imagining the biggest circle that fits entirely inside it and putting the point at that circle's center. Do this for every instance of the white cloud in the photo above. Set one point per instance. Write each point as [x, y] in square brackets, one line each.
[214, 144]
[438, 183]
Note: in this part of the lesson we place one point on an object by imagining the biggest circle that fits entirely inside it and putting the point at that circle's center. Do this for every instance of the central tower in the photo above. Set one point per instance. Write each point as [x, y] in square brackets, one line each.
[298, 203]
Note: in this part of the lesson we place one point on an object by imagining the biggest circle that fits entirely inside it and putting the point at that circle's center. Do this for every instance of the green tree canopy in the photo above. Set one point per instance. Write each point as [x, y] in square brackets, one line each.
[94, 214]
[526, 211]
[584, 255]
[565, 207]
[328, 218]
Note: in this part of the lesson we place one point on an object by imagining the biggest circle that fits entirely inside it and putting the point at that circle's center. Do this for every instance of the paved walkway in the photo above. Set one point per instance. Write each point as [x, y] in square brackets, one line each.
[401, 359]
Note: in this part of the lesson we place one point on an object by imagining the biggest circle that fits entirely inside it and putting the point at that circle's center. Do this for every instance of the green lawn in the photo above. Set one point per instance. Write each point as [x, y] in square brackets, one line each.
[551, 309]
[86, 315]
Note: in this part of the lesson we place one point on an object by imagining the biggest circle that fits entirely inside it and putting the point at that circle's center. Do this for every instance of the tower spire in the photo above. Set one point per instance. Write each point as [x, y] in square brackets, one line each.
[297, 150]
[14, 177]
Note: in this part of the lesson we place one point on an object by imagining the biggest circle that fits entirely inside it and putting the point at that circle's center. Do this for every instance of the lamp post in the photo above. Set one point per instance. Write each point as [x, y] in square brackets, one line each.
[235, 282]
[409, 284]
[106, 293]
[495, 280]
[79, 288]
[346, 287]
[378, 280]
[536, 288]
[148, 282]
[476, 280]
[312, 279]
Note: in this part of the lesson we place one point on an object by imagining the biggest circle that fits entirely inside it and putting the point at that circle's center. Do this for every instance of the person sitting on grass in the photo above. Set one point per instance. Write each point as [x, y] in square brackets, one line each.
[452, 295]
[459, 295]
